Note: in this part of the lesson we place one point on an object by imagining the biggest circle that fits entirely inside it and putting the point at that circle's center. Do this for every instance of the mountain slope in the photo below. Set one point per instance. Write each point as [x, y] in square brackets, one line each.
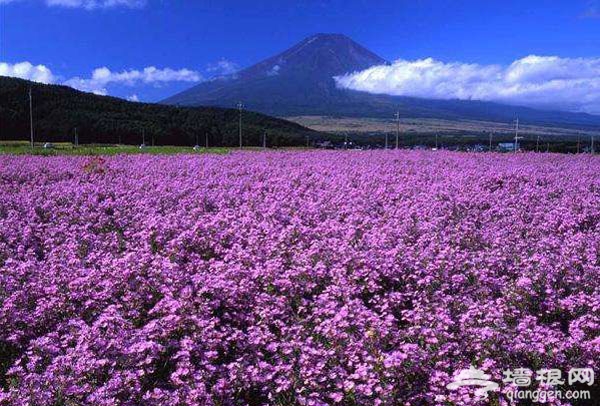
[57, 110]
[295, 81]
[300, 81]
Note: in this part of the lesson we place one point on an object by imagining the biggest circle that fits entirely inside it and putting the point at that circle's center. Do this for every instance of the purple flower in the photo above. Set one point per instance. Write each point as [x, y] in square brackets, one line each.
[309, 278]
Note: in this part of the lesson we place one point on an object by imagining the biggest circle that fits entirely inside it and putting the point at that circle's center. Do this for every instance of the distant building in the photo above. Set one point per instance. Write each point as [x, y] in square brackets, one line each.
[506, 146]
[478, 148]
[324, 144]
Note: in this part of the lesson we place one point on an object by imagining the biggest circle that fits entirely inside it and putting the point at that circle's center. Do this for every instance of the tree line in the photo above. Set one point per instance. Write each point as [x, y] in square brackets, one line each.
[59, 110]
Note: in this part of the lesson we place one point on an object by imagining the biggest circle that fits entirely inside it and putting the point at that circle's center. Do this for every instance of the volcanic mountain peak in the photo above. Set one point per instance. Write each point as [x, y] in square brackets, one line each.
[299, 81]
[303, 75]
[323, 55]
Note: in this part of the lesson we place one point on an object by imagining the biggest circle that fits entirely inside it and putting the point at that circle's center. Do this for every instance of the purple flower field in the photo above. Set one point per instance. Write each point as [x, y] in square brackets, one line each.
[293, 278]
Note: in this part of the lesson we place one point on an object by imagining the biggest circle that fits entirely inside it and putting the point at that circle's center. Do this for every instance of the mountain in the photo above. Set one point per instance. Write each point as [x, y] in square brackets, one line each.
[297, 81]
[300, 81]
[57, 110]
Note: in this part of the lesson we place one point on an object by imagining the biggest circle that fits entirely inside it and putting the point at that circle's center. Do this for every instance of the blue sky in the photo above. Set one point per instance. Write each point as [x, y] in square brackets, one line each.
[188, 41]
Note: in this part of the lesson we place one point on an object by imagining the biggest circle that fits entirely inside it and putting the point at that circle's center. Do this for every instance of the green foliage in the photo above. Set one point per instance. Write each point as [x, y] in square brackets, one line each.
[23, 148]
[58, 110]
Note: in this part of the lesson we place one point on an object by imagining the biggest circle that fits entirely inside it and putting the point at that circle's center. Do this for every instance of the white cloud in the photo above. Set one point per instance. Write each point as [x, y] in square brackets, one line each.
[223, 67]
[134, 98]
[87, 85]
[96, 4]
[539, 81]
[26, 70]
[90, 4]
[274, 71]
[592, 10]
[101, 77]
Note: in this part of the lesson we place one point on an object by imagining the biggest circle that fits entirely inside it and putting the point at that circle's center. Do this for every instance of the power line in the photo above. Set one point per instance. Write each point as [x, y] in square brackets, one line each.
[240, 107]
[31, 116]
[397, 129]
[517, 138]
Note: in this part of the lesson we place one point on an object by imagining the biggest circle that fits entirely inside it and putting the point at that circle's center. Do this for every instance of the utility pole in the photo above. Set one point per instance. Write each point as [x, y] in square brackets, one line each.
[197, 144]
[386, 140]
[346, 141]
[436, 141]
[264, 143]
[517, 138]
[593, 151]
[397, 129]
[491, 132]
[537, 144]
[76, 138]
[240, 107]
[578, 141]
[144, 137]
[206, 140]
[547, 147]
[31, 116]
[307, 141]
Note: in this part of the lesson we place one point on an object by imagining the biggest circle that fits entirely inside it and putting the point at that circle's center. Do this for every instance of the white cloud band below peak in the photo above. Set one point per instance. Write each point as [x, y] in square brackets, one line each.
[100, 78]
[26, 70]
[90, 4]
[223, 67]
[539, 81]
[96, 4]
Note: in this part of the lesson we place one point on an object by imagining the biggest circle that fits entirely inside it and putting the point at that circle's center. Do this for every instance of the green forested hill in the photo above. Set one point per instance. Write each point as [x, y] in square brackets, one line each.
[58, 110]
